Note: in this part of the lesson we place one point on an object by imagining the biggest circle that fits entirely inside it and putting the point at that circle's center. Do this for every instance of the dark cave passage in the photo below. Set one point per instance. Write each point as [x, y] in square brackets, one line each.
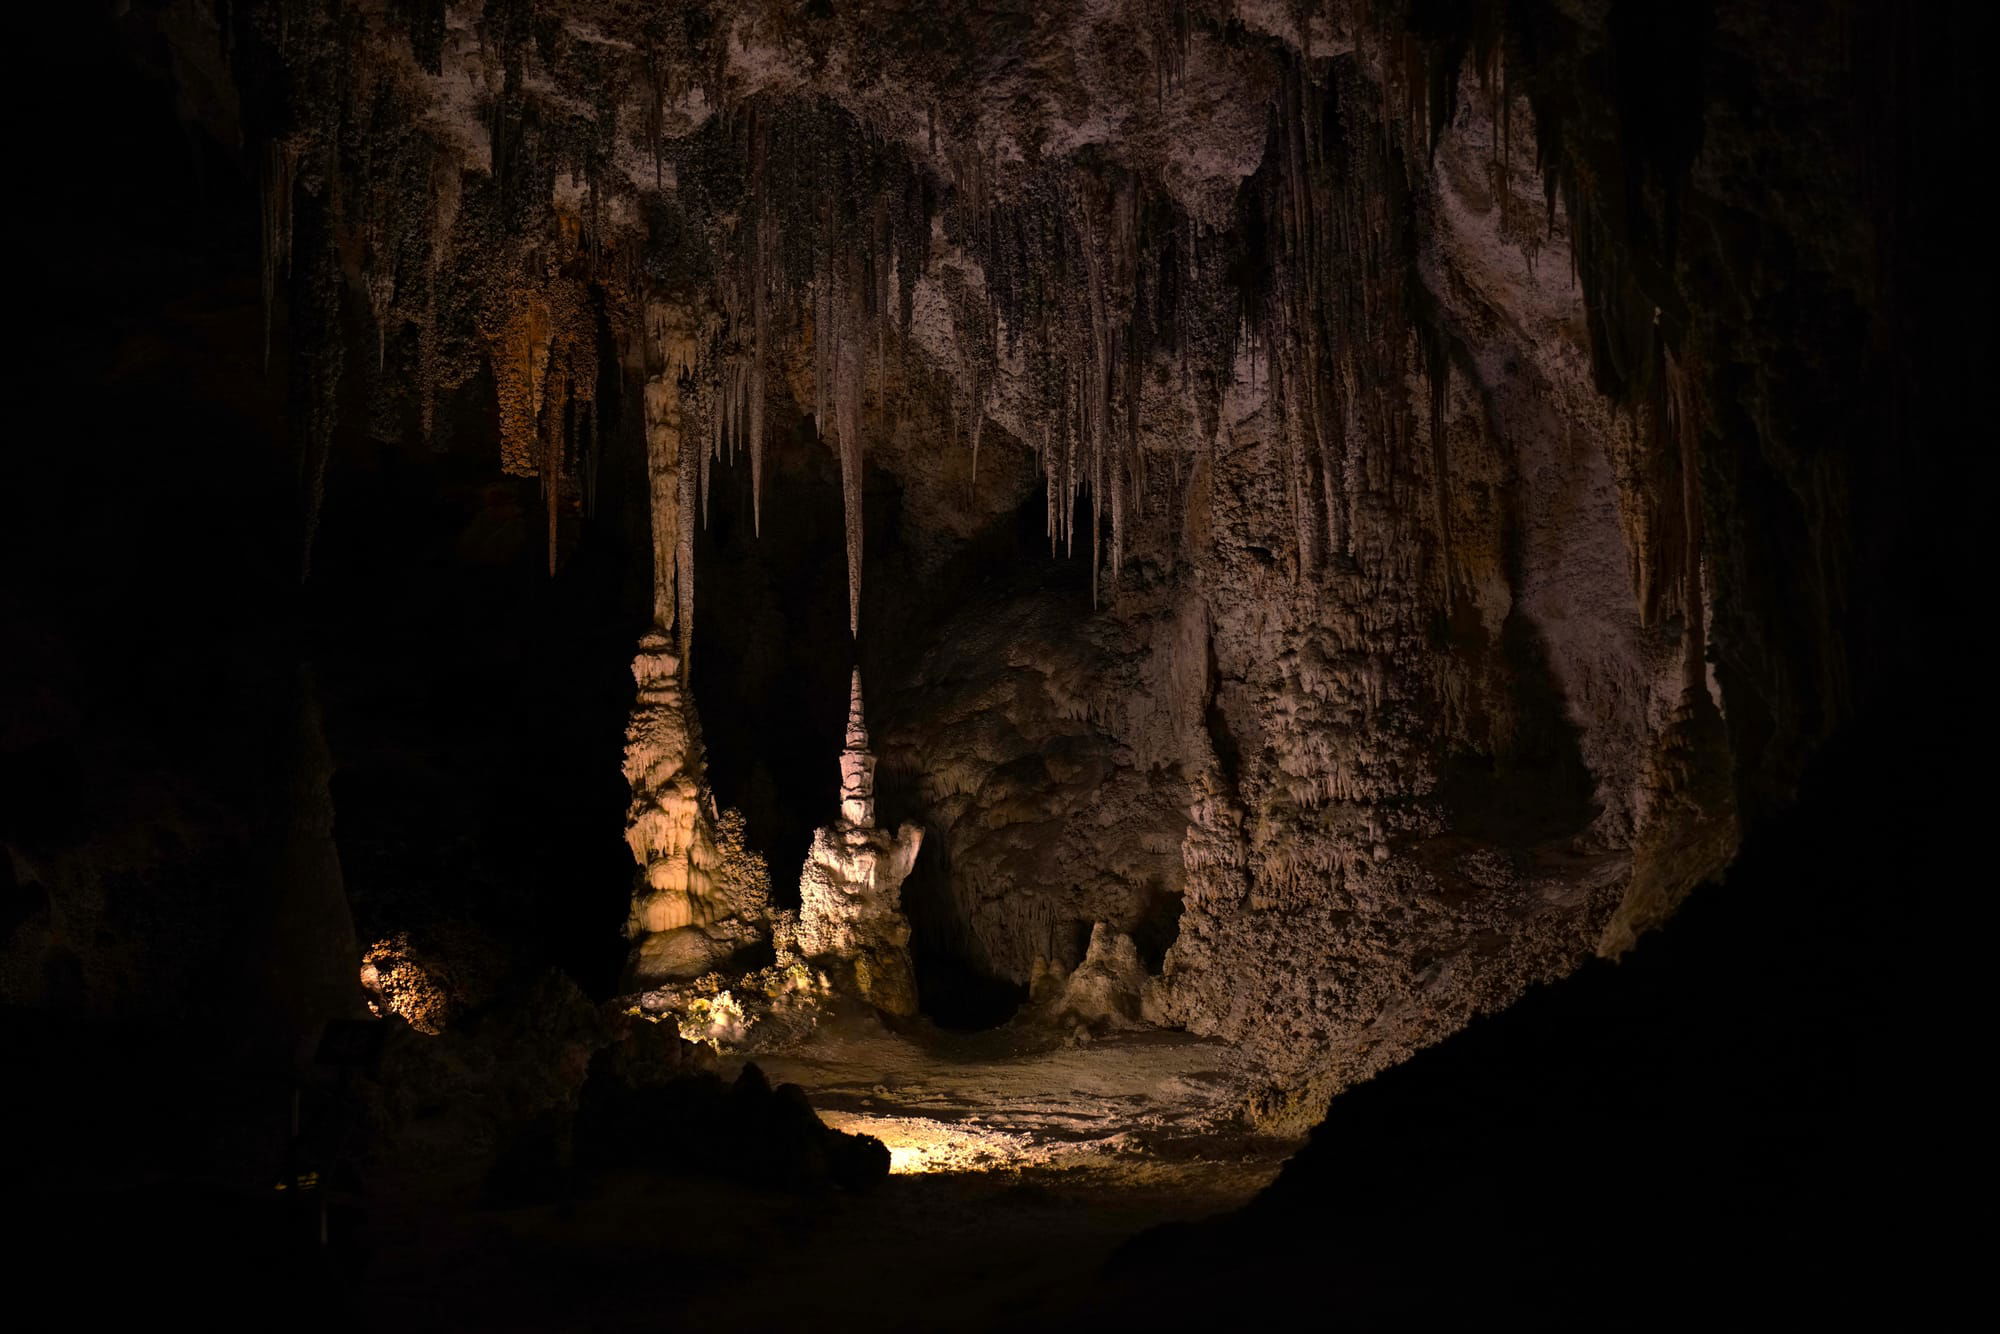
[1009, 557]
[772, 651]
[474, 706]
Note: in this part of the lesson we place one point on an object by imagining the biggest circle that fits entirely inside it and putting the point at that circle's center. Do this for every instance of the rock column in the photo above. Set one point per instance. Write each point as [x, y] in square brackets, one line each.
[699, 897]
[850, 892]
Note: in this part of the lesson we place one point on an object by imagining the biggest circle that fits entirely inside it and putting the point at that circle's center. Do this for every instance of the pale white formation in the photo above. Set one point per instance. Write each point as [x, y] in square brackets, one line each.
[850, 916]
[1109, 990]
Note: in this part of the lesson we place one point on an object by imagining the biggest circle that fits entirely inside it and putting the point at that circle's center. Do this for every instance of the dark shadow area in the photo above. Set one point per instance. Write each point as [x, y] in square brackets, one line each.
[1728, 1120]
[955, 992]
[1158, 927]
[1530, 786]
[476, 705]
[772, 653]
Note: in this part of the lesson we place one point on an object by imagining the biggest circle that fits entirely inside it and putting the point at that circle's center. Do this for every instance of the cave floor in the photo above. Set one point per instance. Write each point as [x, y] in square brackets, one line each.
[1019, 1167]
[1142, 1109]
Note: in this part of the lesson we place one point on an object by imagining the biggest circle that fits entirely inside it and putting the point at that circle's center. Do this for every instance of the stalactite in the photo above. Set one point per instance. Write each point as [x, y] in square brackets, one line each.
[792, 220]
[551, 483]
[978, 428]
[1682, 425]
[1439, 372]
[1172, 32]
[759, 288]
[520, 353]
[847, 440]
[318, 356]
[690, 462]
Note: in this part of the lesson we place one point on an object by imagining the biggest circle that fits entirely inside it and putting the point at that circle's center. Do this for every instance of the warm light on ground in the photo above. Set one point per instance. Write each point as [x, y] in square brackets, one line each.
[918, 1145]
[1148, 1112]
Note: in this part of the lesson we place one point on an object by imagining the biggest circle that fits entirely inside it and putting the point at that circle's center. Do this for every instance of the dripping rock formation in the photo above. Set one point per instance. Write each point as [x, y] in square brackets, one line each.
[702, 896]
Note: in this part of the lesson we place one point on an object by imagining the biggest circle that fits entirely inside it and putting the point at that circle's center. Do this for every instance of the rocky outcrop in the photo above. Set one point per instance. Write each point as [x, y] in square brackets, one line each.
[745, 1130]
[850, 914]
[430, 979]
[542, 1082]
[1110, 990]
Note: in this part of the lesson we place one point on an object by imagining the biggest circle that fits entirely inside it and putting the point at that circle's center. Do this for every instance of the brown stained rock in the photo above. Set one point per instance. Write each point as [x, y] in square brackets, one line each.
[702, 894]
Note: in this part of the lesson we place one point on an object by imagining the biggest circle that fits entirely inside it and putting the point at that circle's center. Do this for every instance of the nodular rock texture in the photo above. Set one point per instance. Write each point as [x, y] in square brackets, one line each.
[1429, 648]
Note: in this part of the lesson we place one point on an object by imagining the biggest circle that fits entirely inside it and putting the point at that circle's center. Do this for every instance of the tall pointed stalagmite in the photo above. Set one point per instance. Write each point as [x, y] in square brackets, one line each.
[850, 892]
[857, 764]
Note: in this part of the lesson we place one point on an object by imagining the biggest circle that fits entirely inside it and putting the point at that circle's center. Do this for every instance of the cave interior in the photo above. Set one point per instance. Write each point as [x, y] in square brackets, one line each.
[697, 664]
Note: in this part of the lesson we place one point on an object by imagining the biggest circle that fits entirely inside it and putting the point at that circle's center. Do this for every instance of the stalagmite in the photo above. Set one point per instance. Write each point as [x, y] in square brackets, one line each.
[850, 916]
[702, 896]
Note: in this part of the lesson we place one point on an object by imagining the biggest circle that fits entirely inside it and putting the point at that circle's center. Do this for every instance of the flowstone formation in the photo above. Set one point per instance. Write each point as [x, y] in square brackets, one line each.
[702, 895]
[850, 918]
[701, 921]
[1346, 347]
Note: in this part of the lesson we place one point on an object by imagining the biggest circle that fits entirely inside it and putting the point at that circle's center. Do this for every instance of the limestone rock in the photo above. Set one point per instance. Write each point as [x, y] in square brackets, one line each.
[850, 914]
[1108, 991]
[702, 894]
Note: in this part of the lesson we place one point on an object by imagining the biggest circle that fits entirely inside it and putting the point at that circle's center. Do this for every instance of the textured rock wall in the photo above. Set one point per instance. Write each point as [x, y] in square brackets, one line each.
[1353, 351]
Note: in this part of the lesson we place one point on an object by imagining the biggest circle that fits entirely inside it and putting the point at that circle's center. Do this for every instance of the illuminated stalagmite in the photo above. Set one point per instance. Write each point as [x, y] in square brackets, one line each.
[850, 918]
[701, 895]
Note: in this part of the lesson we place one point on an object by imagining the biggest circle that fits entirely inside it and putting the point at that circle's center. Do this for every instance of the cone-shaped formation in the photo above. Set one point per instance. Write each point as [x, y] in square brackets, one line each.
[850, 892]
[857, 765]
[857, 722]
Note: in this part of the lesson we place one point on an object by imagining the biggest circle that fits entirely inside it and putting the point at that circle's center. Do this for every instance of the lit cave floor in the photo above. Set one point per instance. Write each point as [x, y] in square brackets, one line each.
[1019, 1170]
[1149, 1109]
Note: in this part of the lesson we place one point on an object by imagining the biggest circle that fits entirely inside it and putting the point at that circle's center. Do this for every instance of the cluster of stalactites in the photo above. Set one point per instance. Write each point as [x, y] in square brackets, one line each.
[1102, 291]
[1103, 294]
[542, 346]
[822, 252]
